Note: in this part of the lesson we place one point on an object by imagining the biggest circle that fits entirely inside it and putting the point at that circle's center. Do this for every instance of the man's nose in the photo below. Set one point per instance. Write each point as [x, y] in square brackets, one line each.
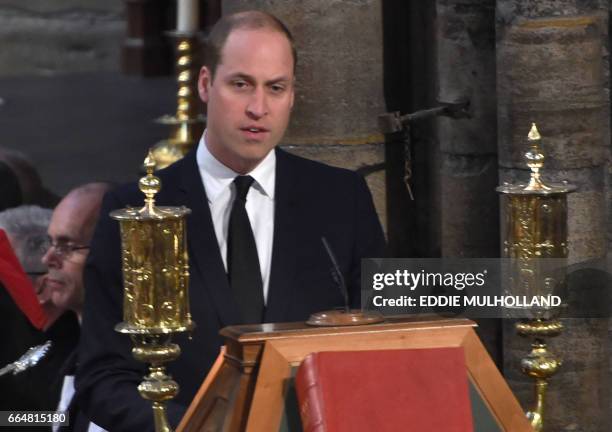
[50, 258]
[258, 105]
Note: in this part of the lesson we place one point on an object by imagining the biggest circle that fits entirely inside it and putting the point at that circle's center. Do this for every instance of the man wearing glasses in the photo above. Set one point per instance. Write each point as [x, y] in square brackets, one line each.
[70, 232]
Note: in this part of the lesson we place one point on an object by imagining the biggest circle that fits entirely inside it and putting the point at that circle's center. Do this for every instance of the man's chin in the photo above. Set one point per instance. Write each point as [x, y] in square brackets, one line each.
[59, 301]
[53, 313]
[252, 157]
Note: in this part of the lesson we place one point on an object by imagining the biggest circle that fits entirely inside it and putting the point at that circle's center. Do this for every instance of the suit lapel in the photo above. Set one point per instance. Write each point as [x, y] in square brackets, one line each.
[204, 254]
[282, 273]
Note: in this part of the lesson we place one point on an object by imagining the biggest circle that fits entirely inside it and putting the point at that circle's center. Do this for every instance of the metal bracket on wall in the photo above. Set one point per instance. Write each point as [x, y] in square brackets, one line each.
[394, 122]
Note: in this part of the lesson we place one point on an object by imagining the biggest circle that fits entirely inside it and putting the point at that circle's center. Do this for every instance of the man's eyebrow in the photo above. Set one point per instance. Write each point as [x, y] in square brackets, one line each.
[247, 77]
[240, 75]
[282, 79]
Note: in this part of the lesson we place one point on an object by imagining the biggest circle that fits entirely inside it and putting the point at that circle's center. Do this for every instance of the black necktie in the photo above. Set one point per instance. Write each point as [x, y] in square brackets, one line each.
[242, 261]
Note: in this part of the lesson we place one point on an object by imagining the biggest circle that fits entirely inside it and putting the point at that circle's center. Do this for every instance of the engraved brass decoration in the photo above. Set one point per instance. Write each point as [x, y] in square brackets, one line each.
[148, 284]
[535, 227]
[156, 278]
[187, 124]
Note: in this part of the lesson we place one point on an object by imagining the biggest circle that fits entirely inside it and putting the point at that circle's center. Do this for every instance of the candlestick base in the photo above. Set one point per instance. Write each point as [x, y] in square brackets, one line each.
[157, 387]
[540, 364]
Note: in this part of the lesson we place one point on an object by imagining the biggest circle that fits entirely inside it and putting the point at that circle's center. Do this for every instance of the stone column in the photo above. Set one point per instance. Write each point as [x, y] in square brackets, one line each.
[468, 147]
[465, 66]
[550, 70]
[339, 92]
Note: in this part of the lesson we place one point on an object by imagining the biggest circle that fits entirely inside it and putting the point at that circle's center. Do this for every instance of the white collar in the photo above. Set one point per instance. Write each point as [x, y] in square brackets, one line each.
[216, 176]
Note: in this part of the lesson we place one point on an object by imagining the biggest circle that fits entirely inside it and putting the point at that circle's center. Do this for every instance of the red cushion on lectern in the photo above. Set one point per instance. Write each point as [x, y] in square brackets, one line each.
[392, 390]
[18, 284]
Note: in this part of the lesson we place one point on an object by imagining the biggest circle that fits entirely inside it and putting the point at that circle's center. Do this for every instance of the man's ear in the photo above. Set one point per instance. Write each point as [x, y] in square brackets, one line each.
[204, 83]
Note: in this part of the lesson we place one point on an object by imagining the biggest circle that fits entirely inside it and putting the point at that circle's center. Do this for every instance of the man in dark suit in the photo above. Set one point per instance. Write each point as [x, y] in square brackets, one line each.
[254, 234]
[69, 234]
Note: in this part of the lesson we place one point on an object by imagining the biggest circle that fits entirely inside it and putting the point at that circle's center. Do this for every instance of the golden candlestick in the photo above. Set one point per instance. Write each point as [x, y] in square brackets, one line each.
[156, 297]
[536, 227]
[187, 124]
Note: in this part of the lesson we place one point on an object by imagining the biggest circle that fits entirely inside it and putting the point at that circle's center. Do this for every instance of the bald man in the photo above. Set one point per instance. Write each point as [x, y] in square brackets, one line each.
[70, 232]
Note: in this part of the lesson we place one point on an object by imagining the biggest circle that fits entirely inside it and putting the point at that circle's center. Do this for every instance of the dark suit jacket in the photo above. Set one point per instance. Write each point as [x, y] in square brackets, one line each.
[311, 200]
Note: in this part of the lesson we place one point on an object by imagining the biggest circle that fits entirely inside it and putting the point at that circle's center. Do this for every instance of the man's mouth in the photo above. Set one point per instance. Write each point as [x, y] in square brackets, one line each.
[254, 131]
[53, 283]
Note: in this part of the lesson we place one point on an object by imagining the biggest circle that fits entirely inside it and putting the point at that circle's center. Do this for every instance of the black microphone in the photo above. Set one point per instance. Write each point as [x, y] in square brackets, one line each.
[337, 274]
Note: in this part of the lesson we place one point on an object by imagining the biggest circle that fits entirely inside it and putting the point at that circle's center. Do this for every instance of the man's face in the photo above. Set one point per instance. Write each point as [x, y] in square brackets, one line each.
[64, 282]
[250, 98]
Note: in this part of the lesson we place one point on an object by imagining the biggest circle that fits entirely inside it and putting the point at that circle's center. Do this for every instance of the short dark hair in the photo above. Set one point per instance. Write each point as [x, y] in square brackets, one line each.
[249, 20]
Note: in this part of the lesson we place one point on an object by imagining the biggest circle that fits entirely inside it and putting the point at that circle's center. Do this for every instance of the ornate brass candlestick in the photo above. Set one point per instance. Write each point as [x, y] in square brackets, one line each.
[536, 228]
[187, 124]
[156, 299]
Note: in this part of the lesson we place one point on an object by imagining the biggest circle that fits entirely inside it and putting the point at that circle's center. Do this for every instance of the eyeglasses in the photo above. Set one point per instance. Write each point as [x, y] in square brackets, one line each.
[61, 249]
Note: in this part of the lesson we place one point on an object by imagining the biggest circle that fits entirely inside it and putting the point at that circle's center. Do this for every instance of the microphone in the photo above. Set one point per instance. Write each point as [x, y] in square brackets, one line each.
[337, 274]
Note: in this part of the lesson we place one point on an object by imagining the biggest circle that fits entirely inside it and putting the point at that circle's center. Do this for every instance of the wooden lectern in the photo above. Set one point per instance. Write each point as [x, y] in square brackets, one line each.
[250, 387]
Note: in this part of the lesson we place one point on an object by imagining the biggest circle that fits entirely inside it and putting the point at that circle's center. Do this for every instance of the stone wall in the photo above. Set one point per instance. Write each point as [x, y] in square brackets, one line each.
[63, 101]
[62, 36]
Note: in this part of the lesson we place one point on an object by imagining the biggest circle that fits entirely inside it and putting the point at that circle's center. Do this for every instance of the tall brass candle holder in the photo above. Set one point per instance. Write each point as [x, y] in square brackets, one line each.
[535, 229]
[156, 299]
[187, 124]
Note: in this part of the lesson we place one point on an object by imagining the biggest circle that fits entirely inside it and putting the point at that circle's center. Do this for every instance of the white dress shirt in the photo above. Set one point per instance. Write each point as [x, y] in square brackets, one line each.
[221, 192]
[64, 403]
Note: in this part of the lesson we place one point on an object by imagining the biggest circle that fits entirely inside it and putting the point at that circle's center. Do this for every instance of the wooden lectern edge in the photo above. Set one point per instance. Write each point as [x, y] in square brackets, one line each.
[246, 334]
[210, 377]
[488, 379]
[275, 370]
[295, 349]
